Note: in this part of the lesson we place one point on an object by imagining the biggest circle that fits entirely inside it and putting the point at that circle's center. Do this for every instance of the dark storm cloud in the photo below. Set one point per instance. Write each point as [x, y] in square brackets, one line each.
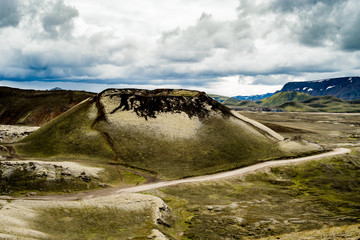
[351, 33]
[323, 22]
[296, 5]
[9, 13]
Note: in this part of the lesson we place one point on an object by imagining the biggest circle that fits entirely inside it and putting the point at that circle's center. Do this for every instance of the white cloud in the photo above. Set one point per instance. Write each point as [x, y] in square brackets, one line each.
[203, 44]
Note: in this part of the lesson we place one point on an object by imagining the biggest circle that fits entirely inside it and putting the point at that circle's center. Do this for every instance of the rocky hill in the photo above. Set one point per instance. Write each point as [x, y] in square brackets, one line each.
[164, 132]
[34, 107]
[347, 88]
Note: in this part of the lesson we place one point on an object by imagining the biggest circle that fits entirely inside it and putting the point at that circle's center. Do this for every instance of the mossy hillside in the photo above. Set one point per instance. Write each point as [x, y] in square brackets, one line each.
[31, 107]
[298, 102]
[70, 136]
[93, 223]
[297, 107]
[284, 200]
[321, 104]
[231, 101]
[219, 145]
[283, 97]
[247, 103]
[219, 98]
[91, 132]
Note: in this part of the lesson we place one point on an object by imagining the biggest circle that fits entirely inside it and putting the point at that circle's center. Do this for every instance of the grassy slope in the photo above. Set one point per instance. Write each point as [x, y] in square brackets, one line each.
[218, 146]
[218, 98]
[94, 223]
[300, 102]
[283, 97]
[231, 101]
[322, 104]
[30, 107]
[320, 193]
[247, 103]
[70, 136]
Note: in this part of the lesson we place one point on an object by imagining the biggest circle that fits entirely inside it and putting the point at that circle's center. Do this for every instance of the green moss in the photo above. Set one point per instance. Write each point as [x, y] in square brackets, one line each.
[32, 107]
[129, 178]
[286, 199]
[283, 97]
[70, 136]
[93, 223]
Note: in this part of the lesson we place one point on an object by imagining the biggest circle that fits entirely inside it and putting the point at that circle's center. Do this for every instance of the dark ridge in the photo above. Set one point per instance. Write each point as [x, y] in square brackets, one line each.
[36, 107]
[149, 103]
[347, 88]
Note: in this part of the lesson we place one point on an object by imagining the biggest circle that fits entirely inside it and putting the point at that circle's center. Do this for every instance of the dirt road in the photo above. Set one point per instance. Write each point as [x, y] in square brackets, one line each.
[237, 172]
[229, 174]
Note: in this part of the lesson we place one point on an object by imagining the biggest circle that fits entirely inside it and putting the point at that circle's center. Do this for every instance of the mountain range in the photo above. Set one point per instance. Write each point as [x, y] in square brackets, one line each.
[254, 97]
[294, 102]
[347, 88]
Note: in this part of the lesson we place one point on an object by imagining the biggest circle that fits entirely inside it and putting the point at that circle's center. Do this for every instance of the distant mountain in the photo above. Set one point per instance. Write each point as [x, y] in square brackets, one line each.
[219, 98]
[56, 88]
[283, 97]
[322, 104]
[296, 102]
[237, 99]
[347, 88]
[254, 97]
[33, 107]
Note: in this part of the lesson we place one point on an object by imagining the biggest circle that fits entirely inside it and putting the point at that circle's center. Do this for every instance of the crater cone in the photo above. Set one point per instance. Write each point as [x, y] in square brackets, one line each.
[169, 133]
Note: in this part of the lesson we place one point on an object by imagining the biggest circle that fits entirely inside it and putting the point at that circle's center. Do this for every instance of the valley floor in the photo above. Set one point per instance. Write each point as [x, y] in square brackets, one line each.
[312, 200]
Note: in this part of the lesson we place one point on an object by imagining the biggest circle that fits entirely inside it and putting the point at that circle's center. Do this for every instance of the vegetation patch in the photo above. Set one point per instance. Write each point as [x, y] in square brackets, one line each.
[70, 136]
[293, 102]
[91, 222]
[321, 193]
[35, 108]
[283, 97]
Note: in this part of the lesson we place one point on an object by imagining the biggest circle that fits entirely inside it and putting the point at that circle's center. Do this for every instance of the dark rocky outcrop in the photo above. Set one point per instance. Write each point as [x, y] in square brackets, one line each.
[149, 103]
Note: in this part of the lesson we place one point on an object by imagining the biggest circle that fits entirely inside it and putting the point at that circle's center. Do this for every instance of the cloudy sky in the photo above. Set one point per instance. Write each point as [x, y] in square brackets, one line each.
[228, 47]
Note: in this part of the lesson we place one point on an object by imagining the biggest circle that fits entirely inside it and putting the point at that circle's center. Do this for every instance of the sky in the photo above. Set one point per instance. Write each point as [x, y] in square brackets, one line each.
[228, 47]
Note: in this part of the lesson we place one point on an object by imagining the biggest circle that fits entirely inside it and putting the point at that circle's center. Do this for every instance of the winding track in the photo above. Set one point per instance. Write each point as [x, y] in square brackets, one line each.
[234, 173]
